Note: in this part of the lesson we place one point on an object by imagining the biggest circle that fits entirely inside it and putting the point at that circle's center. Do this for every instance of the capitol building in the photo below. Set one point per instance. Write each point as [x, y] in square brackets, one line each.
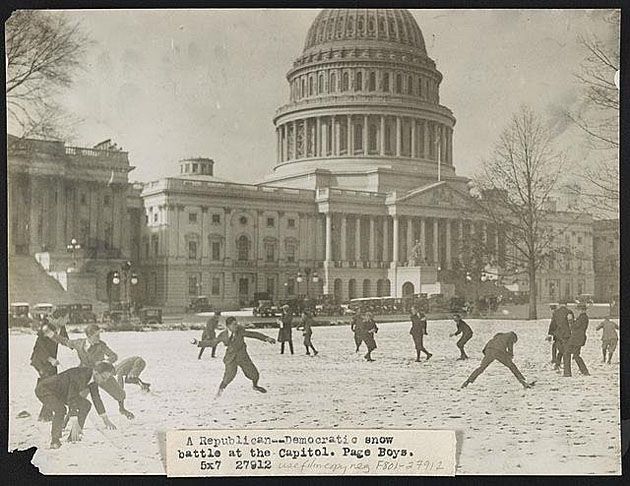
[362, 200]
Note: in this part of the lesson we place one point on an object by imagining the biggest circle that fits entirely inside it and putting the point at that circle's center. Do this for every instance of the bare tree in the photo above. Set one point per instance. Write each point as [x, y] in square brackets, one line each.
[598, 117]
[516, 185]
[43, 52]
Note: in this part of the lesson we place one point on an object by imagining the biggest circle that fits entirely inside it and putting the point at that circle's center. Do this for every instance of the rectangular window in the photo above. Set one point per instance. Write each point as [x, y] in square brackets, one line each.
[156, 244]
[192, 217]
[146, 218]
[216, 219]
[192, 250]
[270, 252]
[291, 222]
[106, 200]
[270, 222]
[155, 217]
[271, 285]
[193, 284]
[291, 287]
[216, 250]
[291, 253]
[216, 286]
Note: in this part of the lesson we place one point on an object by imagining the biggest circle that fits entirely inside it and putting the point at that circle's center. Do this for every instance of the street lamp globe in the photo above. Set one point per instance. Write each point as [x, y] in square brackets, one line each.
[299, 278]
[73, 241]
[134, 279]
[116, 279]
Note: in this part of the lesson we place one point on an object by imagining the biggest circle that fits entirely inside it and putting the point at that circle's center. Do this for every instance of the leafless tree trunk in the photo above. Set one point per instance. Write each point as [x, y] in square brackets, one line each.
[517, 183]
[599, 119]
[43, 52]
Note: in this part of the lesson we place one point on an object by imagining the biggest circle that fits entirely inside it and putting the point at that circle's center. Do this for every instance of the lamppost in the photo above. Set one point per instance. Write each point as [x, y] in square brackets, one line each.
[128, 279]
[72, 247]
[307, 276]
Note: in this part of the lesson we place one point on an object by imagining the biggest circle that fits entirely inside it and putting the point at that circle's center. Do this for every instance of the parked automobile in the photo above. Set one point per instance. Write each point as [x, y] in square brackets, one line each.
[199, 304]
[19, 314]
[41, 311]
[151, 315]
[265, 308]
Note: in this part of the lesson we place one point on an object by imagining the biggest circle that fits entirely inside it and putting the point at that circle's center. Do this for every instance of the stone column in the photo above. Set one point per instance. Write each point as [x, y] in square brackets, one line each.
[427, 139]
[436, 241]
[448, 243]
[398, 136]
[323, 147]
[328, 237]
[285, 131]
[365, 135]
[357, 239]
[395, 244]
[349, 135]
[372, 246]
[409, 236]
[344, 229]
[278, 154]
[382, 136]
[423, 239]
[386, 239]
[318, 136]
[413, 138]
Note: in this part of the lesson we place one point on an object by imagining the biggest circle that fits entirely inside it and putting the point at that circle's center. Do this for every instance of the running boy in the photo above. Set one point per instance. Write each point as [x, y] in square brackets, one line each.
[466, 332]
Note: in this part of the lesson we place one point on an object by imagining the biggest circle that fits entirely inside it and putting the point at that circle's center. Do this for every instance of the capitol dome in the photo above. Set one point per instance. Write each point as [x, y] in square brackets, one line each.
[364, 26]
[363, 96]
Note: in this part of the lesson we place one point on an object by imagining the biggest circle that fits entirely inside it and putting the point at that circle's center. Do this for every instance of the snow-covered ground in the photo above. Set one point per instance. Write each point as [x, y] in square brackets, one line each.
[561, 426]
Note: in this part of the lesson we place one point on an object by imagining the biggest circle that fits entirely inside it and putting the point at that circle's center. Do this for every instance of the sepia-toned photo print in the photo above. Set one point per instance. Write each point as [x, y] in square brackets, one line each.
[308, 242]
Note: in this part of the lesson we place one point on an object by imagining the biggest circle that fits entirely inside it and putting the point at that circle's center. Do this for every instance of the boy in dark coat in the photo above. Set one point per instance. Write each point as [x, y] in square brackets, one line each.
[355, 327]
[501, 348]
[418, 331]
[65, 389]
[307, 332]
[368, 331]
[561, 331]
[236, 354]
[210, 332]
[44, 357]
[551, 336]
[576, 341]
[466, 332]
[285, 334]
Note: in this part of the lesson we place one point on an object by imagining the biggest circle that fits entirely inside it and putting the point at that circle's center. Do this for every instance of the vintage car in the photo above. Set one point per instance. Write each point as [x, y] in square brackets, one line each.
[151, 315]
[41, 311]
[199, 304]
[265, 308]
[19, 314]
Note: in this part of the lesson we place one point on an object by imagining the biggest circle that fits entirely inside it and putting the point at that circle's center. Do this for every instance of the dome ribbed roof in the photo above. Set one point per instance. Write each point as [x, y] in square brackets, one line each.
[395, 26]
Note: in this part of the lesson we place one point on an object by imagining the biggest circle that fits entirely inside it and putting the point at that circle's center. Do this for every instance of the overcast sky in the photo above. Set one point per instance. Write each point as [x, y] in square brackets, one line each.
[170, 84]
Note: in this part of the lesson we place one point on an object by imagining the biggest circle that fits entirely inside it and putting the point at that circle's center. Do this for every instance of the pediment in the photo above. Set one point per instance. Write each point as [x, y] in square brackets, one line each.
[437, 195]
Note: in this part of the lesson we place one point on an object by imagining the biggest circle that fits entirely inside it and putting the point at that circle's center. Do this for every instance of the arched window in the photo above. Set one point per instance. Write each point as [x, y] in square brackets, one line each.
[310, 86]
[372, 82]
[242, 245]
[343, 138]
[333, 83]
[399, 83]
[386, 82]
[345, 82]
[372, 139]
[358, 81]
[367, 287]
[320, 84]
[352, 289]
[358, 137]
[410, 85]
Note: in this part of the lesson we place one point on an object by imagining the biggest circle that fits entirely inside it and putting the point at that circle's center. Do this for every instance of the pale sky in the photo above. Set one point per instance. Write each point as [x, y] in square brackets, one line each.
[170, 84]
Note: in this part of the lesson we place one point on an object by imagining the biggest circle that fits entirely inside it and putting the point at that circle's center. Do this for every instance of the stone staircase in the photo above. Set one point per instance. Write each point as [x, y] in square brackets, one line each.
[29, 282]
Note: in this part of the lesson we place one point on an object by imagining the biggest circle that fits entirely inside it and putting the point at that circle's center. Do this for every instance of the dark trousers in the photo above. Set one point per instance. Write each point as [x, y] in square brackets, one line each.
[419, 343]
[561, 345]
[248, 367]
[357, 340]
[56, 403]
[574, 352]
[46, 412]
[462, 342]
[502, 357]
[290, 341]
[555, 351]
[308, 344]
[214, 351]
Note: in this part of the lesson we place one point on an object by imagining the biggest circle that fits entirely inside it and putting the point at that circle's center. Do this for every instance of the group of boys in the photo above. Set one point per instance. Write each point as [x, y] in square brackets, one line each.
[63, 395]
